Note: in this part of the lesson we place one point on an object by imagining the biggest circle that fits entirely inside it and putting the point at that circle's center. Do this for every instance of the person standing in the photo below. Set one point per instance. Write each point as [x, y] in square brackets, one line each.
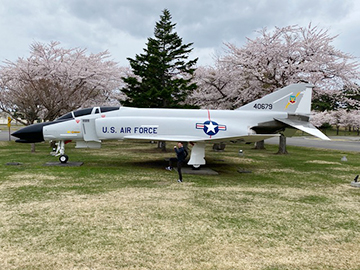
[181, 155]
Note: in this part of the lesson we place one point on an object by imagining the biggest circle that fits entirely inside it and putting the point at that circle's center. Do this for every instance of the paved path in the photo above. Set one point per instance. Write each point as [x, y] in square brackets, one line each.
[342, 143]
[4, 135]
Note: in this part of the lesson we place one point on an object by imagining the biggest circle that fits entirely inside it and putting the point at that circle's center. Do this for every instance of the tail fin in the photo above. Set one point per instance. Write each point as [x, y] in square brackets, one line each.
[294, 99]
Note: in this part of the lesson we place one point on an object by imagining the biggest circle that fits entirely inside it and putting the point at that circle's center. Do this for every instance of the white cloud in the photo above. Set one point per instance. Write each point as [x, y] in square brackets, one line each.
[123, 26]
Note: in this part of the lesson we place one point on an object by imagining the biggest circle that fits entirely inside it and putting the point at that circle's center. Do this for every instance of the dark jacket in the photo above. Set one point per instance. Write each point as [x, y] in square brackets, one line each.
[180, 153]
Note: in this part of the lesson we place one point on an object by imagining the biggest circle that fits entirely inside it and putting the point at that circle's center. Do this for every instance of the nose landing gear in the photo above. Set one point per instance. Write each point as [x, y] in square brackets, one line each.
[60, 151]
[63, 158]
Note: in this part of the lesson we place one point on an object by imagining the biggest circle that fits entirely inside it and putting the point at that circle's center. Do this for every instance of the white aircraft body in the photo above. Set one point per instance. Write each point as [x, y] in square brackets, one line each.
[283, 110]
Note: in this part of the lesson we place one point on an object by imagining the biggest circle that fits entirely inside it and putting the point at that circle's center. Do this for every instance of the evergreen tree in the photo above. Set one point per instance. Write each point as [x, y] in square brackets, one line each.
[163, 72]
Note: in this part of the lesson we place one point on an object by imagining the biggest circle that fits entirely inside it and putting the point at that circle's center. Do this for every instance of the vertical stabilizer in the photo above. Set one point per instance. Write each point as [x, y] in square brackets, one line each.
[293, 99]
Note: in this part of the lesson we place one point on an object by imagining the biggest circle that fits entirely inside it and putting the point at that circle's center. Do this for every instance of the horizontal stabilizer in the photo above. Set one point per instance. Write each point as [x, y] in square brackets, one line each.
[304, 126]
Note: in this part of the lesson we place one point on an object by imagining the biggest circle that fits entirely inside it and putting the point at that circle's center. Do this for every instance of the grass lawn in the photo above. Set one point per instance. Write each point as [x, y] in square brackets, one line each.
[123, 210]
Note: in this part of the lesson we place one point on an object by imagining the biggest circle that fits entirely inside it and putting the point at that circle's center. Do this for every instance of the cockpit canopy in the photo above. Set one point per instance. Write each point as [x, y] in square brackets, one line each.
[86, 111]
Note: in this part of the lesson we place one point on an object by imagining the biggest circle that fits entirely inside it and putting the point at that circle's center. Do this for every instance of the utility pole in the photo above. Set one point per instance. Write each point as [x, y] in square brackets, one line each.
[9, 126]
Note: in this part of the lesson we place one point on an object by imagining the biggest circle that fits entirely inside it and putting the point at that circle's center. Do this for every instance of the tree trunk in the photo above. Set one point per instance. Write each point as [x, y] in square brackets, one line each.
[282, 145]
[162, 145]
[260, 145]
[33, 148]
[219, 146]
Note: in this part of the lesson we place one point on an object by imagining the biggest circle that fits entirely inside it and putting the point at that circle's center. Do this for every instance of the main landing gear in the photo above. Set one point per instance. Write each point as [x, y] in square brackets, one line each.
[197, 157]
[60, 151]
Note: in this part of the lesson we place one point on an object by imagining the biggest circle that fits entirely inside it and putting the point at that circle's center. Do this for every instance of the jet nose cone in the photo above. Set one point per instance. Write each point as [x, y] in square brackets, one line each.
[30, 134]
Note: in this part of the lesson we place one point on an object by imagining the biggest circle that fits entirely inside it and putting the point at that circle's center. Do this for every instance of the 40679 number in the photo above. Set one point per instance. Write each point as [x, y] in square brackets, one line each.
[263, 106]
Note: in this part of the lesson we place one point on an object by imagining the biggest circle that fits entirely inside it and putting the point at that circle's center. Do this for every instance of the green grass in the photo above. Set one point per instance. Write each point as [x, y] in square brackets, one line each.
[122, 210]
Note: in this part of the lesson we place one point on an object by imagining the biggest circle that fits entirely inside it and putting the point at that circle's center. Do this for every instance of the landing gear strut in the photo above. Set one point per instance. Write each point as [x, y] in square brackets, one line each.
[197, 157]
[60, 152]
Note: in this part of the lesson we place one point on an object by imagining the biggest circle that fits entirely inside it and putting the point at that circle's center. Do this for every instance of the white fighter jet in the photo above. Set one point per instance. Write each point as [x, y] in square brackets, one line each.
[284, 110]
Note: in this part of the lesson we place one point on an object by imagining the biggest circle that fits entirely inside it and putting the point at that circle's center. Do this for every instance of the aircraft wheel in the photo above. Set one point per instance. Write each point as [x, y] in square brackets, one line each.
[63, 158]
[196, 167]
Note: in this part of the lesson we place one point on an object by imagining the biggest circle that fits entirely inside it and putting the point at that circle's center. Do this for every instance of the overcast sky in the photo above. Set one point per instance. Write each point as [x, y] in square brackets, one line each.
[123, 26]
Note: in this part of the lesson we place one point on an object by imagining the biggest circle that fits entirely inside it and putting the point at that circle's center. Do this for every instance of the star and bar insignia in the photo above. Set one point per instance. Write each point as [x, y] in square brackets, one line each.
[210, 128]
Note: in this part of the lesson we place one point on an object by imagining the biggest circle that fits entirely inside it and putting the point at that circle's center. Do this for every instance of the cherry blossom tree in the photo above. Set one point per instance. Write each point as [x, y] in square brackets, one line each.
[215, 87]
[355, 121]
[276, 59]
[319, 119]
[348, 119]
[55, 80]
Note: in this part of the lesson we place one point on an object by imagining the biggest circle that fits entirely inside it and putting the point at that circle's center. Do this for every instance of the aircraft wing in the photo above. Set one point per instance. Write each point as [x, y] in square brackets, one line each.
[304, 126]
[257, 137]
[245, 138]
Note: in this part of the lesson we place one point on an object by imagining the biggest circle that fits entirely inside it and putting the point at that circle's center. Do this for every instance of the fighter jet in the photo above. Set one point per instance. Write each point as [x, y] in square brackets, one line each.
[282, 111]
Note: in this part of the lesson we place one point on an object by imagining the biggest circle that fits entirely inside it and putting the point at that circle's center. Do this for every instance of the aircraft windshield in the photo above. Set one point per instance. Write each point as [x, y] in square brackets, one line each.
[108, 109]
[66, 116]
[83, 112]
[86, 111]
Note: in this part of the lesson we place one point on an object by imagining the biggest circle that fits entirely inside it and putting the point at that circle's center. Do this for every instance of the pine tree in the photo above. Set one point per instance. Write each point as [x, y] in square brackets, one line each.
[163, 73]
